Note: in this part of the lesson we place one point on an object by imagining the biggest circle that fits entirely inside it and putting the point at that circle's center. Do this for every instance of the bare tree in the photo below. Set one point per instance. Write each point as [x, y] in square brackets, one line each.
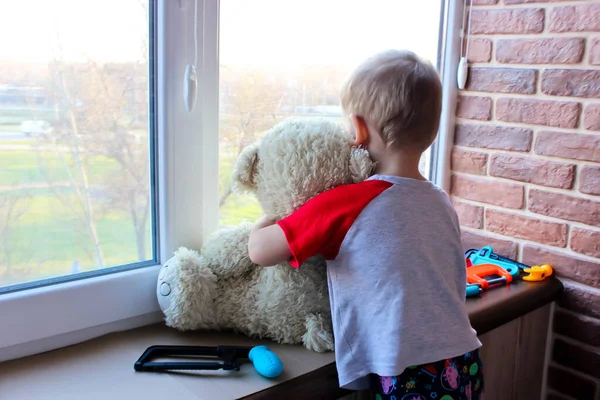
[129, 187]
[102, 112]
[71, 149]
[250, 99]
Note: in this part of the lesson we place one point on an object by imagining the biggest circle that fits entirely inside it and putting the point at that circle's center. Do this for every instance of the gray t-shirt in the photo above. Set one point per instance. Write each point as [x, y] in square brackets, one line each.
[396, 274]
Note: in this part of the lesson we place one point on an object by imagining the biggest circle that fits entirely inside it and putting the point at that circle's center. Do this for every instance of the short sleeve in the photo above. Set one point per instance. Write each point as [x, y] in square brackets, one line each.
[320, 225]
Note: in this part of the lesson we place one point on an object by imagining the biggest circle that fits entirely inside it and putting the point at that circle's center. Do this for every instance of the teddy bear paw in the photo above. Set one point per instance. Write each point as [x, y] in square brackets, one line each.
[319, 334]
[185, 291]
[164, 285]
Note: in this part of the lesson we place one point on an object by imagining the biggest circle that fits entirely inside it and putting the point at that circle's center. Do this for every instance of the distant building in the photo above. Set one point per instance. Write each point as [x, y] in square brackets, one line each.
[23, 97]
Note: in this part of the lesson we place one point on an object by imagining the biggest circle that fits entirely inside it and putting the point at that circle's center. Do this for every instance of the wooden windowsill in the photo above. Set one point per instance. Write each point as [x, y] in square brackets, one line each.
[103, 368]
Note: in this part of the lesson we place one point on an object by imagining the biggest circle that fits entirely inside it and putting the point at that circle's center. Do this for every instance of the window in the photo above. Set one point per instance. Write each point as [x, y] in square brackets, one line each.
[102, 168]
[280, 59]
[75, 139]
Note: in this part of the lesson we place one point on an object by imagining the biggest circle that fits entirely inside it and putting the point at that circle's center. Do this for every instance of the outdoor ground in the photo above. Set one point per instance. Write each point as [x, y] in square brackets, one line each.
[49, 238]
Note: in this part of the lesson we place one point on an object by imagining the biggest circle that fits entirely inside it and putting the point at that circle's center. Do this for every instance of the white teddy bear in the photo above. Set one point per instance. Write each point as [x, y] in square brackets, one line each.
[221, 289]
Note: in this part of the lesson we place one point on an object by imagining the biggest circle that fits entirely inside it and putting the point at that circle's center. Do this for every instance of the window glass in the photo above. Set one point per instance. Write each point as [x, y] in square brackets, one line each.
[289, 58]
[75, 137]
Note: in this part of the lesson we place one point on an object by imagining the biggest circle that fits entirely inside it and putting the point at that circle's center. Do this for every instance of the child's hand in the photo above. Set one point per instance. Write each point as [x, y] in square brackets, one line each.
[267, 244]
[262, 222]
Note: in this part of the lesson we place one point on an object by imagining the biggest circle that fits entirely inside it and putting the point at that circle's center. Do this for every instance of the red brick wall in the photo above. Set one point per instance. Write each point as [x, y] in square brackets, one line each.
[526, 161]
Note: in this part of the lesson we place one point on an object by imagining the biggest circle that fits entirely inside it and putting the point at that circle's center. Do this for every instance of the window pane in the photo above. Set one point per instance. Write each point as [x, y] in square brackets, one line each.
[289, 58]
[75, 193]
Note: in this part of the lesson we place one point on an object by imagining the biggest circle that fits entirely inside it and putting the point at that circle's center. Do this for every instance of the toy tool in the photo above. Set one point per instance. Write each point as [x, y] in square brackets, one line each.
[228, 358]
[468, 262]
[473, 290]
[537, 273]
[477, 273]
[485, 255]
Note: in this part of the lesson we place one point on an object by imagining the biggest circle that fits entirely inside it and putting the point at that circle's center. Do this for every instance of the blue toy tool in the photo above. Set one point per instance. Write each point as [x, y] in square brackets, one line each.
[473, 290]
[228, 358]
[265, 362]
[485, 255]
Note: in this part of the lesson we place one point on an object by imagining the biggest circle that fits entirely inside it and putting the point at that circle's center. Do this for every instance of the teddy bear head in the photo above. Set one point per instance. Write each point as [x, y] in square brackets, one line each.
[296, 160]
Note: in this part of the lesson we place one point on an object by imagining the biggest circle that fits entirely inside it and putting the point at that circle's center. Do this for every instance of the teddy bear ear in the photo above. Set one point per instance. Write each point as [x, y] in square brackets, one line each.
[245, 170]
[361, 165]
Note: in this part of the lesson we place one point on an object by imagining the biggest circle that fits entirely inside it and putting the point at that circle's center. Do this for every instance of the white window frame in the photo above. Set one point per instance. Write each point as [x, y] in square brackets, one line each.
[449, 54]
[50, 317]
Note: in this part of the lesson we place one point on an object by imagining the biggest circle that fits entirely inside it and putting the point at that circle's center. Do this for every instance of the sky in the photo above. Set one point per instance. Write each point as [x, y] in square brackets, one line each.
[261, 33]
[329, 32]
[107, 30]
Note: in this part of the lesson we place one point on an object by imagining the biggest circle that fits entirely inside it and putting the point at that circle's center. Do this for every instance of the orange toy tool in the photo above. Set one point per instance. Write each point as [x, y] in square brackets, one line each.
[477, 273]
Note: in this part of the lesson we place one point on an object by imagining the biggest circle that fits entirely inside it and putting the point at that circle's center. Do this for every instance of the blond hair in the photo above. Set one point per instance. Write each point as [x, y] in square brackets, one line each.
[400, 95]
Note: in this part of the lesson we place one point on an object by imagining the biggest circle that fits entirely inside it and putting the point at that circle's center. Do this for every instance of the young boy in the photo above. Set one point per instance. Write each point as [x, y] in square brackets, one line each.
[396, 268]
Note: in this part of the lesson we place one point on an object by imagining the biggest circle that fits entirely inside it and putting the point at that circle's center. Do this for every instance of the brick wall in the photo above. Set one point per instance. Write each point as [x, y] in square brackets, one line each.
[526, 161]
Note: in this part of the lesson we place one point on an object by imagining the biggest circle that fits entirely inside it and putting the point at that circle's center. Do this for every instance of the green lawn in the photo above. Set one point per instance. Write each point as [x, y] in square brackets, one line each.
[50, 234]
[236, 208]
[20, 167]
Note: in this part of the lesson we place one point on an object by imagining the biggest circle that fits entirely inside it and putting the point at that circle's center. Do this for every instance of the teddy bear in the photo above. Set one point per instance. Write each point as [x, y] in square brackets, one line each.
[220, 288]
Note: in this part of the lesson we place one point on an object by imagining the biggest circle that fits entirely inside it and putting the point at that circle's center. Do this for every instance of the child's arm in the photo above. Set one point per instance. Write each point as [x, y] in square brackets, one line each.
[318, 227]
[267, 244]
[298, 237]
